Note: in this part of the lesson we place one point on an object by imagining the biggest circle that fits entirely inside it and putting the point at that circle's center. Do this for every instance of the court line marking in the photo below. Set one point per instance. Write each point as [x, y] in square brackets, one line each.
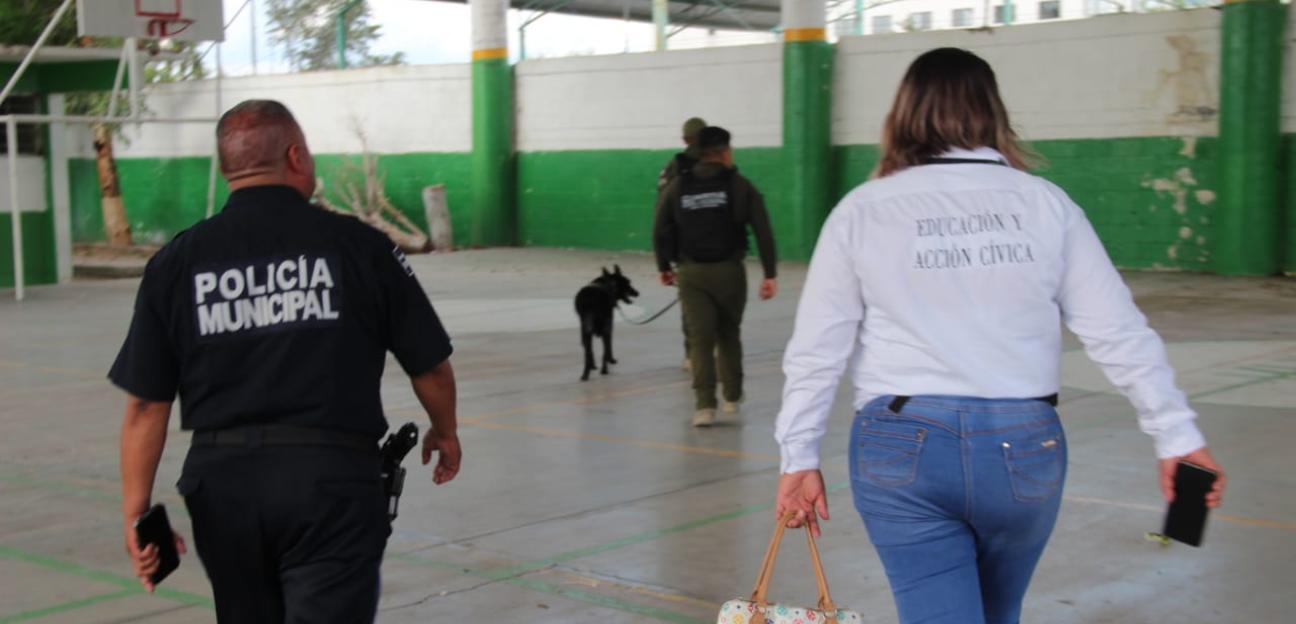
[1268, 378]
[36, 614]
[501, 575]
[635, 442]
[102, 576]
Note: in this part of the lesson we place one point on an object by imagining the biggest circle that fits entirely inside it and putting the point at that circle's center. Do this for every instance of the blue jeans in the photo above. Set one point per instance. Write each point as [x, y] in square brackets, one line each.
[959, 496]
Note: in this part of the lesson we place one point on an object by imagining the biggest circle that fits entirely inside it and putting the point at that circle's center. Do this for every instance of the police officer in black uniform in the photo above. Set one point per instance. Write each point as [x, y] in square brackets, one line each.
[272, 322]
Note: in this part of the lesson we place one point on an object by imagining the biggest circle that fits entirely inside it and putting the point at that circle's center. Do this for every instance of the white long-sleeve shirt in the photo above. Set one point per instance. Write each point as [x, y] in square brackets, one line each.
[949, 279]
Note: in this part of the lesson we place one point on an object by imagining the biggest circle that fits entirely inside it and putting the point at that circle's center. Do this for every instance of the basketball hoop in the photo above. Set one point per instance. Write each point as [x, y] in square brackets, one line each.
[187, 20]
[165, 9]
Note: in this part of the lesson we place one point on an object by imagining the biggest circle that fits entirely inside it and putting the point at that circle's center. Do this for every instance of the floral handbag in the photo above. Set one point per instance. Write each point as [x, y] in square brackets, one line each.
[758, 610]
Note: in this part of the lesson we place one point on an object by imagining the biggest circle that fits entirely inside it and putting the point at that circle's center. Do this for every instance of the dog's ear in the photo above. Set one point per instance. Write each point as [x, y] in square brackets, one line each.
[605, 272]
[617, 267]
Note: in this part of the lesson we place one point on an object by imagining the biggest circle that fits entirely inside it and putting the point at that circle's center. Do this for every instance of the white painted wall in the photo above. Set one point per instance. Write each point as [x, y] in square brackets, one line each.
[402, 109]
[1117, 76]
[642, 100]
[1107, 77]
[31, 185]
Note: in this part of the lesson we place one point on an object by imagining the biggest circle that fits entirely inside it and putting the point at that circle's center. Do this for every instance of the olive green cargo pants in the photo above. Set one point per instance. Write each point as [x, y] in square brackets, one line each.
[713, 296]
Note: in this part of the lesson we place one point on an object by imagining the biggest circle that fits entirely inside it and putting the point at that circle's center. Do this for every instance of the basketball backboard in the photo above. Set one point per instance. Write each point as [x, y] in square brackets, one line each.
[187, 20]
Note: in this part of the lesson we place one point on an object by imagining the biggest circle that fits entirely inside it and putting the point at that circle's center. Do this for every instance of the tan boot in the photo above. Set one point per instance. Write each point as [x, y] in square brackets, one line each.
[731, 407]
[704, 417]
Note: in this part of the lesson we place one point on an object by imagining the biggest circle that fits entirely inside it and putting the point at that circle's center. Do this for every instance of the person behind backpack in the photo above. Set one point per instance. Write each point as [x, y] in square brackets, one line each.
[683, 161]
[701, 228]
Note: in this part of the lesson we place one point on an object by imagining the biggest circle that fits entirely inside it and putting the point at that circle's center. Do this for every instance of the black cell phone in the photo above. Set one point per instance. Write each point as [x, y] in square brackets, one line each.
[154, 528]
[1186, 518]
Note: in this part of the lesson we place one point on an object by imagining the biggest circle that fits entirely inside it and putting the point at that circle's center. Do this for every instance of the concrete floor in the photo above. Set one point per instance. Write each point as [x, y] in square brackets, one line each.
[596, 502]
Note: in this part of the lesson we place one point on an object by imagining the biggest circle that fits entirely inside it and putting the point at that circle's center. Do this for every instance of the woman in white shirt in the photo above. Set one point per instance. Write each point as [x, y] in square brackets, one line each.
[943, 281]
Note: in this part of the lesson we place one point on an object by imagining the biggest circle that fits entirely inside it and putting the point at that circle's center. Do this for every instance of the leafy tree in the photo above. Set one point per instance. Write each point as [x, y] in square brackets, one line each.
[308, 30]
[21, 22]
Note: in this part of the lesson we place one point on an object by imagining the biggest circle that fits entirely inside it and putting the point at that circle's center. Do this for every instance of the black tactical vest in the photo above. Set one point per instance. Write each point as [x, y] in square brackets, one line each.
[708, 229]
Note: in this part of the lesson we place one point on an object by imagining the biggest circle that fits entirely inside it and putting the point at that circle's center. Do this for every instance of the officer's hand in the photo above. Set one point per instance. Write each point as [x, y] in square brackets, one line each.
[768, 289]
[668, 278]
[448, 456]
[146, 560]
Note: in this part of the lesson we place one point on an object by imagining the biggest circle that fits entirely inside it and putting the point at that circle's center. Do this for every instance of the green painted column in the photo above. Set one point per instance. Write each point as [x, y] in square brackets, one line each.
[493, 220]
[1246, 234]
[807, 124]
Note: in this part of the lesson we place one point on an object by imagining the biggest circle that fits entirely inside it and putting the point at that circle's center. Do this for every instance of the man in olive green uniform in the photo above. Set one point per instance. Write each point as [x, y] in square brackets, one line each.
[701, 229]
[683, 161]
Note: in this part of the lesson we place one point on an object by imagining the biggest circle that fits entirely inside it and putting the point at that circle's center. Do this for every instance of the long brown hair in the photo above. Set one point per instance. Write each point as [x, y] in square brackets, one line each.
[948, 99]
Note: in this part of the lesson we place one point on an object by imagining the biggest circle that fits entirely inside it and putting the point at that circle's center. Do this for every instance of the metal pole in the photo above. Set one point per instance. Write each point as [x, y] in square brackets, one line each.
[661, 19]
[215, 159]
[136, 79]
[254, 36]
[11, 129]
[342, 32]
[117, 82]
[31, 54]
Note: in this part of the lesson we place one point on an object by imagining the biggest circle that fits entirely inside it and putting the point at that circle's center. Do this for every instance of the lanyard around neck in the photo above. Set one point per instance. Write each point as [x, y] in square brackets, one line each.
[963, 161]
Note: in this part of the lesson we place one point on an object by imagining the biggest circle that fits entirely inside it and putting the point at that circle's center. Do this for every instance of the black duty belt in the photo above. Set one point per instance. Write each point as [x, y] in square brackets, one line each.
[899, 402]
[283, 435]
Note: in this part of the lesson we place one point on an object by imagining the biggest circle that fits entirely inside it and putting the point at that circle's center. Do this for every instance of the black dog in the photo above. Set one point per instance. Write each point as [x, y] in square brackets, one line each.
[594, 305]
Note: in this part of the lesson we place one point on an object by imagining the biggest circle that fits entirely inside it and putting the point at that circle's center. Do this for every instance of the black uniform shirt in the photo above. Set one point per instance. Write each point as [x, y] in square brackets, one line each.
[277, 312]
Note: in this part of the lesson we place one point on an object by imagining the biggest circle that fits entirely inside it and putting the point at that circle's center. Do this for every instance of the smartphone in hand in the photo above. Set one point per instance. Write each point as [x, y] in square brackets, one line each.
[155, 528]
[1186, 518]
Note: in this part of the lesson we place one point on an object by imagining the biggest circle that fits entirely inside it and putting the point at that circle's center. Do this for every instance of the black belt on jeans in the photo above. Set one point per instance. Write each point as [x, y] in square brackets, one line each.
[899, 402]
[283, 435]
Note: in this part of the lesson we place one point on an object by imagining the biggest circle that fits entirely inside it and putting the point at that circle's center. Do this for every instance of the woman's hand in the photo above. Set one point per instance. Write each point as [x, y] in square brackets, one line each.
[802, 493]
[1201, 457]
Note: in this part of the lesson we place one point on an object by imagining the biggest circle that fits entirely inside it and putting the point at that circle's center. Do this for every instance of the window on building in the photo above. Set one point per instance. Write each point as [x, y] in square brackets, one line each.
[920, 21]
[961, 18]
[29, 135]
[1050, 9]
[1000, 13]
[881, 24]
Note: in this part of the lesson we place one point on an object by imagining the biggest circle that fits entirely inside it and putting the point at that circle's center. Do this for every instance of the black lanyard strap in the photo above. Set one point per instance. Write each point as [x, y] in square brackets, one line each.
[963, 161]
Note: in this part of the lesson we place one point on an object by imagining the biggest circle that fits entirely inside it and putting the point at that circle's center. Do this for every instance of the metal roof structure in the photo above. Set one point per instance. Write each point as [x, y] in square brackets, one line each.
[760, 15]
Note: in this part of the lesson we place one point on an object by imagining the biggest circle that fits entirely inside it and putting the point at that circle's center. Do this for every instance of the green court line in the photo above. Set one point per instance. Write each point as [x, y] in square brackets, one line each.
[36, 614]
[58, 486]
[101, 576]
[606, 601]
[1255, 381]
[498, 575]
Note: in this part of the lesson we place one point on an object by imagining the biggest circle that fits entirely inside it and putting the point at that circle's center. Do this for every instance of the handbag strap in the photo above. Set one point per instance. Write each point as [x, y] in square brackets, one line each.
[760, 595]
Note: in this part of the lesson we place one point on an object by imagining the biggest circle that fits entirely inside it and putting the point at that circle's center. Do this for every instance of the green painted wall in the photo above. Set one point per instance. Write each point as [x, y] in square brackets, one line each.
[1149, 198]
[1143, 195]
[602, 199]
[39, 261]
[164, 196]
[1287, 197]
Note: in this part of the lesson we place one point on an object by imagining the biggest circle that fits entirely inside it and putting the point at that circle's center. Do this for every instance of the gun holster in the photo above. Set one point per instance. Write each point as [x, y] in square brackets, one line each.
[393, 452]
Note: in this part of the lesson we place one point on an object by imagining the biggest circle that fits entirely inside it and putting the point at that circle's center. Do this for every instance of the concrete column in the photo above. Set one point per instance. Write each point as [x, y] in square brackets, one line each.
[493, 220]
[661, 21]
[807, 123]
[1246, 233]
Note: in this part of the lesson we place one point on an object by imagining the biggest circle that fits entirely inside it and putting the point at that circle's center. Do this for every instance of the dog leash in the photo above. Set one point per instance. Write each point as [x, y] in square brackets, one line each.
[650, 319]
